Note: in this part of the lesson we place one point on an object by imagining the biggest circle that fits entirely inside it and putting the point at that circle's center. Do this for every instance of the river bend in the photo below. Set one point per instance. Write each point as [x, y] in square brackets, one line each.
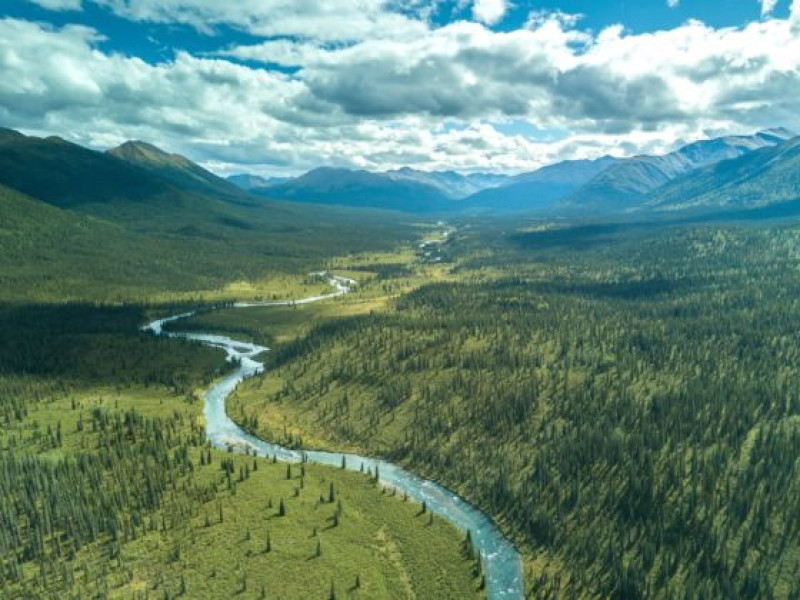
[501, 561]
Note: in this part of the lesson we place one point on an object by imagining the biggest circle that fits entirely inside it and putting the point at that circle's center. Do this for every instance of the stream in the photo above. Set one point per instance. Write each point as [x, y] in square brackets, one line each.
[501, 561]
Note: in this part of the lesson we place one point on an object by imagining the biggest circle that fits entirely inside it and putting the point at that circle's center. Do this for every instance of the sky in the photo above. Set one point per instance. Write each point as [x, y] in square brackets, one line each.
[278, 87]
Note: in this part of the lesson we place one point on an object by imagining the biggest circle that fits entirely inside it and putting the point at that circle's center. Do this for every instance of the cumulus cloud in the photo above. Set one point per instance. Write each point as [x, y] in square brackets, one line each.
[489, 11]
[435, 99]
[335, 20]
[281, 52]
[673, 3]
[767, 6]
[59, 4]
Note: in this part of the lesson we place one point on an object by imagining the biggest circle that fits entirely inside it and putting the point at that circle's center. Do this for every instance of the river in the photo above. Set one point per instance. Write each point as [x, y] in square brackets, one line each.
[501, 561]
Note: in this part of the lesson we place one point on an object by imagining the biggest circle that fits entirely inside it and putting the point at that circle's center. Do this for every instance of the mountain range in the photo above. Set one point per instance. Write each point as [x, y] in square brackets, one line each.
[769, 176]
[137, 213]
[625, 184]
[404, 189]
[539, 189]
[138, 183]
[600, 187]
[253, 182]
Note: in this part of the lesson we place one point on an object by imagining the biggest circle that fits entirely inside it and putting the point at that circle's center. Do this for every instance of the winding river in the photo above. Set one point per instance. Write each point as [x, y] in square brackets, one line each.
[501, 561]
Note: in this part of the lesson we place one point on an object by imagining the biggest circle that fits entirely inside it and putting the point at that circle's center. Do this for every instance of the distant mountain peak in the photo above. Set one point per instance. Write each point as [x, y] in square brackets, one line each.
[766, 177]
[248, 181]
[173, 167]
[143, 152]
[624, 186]
[777, 133]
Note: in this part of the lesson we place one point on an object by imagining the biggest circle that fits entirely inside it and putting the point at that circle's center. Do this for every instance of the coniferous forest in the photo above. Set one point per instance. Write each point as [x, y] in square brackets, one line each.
[625, 400]
[399, 300]
[110, 489]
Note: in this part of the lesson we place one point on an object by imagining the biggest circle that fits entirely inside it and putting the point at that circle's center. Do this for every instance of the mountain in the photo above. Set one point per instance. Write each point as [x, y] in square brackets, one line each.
[76, 223]
[451, 184]
[404, 189]
[174, 168]
[67, 175]
[624, 185]
[538, 189]
[9, 135]
[766, 177]
[135, 184]
[587, 187]
[252, 182]
[346, 187]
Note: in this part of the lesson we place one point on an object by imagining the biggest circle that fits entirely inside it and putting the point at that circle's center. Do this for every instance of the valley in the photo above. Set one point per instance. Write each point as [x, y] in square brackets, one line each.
[399, 300]
[606, 405]
[606, 377]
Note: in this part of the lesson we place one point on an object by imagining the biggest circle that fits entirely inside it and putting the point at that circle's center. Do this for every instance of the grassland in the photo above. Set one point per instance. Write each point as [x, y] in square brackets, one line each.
[380, 278]
[393, 550]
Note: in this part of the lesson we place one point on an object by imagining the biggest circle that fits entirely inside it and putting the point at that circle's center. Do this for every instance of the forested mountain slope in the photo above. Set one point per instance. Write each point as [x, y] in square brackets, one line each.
[67, 175]
[175, 168]
[625, 184]
[80, 224]
[768, 177]
[539, 189]
[346, 187]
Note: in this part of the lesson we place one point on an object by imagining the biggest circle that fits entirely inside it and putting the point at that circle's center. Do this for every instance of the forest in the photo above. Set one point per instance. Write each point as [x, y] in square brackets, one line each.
[624, 400]
[109, 488]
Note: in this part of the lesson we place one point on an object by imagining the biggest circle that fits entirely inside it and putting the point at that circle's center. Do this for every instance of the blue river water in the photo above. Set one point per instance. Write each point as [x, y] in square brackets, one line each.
[501, 561]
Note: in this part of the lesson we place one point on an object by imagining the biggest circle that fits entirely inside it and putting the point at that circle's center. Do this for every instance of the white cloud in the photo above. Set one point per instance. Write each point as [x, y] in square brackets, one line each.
[489, 11]
[673, 3]
[59, 4]
[277, 52]
[434, 100]
[333, 20]
[767, 6]
[537, 18]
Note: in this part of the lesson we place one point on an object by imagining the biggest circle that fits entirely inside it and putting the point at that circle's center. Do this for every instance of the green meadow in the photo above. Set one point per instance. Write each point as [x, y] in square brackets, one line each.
[209, 523]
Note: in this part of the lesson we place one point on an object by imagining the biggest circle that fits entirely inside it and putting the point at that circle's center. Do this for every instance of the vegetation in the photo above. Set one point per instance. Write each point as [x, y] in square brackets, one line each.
[138, 224]
[623, 400]
[108, 487]
[49, 254]
[379, 276]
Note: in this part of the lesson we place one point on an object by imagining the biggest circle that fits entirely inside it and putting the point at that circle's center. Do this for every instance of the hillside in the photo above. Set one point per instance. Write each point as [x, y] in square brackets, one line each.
[80, 224]
[451, 184]
[406, 189]
[624, 185]
[174, 168]
[67, 175]
[250, 182]
[767, 177]
[361, 189]
[539, 189]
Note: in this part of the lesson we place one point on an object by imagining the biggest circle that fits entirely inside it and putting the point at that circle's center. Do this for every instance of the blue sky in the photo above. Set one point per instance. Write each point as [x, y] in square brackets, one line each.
[281, 86]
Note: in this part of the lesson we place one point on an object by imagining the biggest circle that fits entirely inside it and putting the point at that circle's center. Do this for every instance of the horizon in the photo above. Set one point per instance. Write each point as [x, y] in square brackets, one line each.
[272, 89]
[503, 306]
[779, 129]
